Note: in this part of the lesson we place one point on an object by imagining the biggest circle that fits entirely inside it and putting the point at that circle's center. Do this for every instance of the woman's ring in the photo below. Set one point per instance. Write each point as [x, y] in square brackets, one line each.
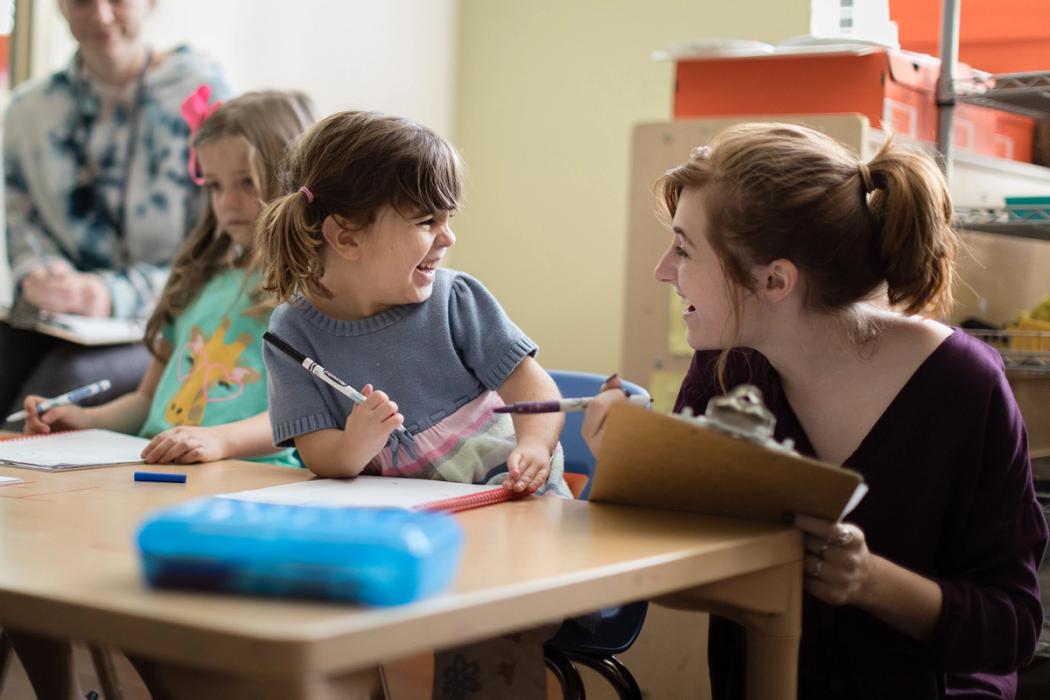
[845, 537]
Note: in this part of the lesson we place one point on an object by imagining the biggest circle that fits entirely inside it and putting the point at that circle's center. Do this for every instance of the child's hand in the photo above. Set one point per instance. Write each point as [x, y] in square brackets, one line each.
[68, 417]
[185, 444]
[529, 466]
[593, 429]
[370, 423]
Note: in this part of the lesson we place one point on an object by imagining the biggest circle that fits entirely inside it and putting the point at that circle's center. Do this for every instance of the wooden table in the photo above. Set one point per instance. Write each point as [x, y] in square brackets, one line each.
[69, 567]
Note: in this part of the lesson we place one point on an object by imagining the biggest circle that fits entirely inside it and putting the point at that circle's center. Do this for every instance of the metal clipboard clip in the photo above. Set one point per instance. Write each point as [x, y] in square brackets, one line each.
[741, 414]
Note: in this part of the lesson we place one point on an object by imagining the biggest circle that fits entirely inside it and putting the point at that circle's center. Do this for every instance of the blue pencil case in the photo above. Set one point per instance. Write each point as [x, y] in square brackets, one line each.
[374, 556]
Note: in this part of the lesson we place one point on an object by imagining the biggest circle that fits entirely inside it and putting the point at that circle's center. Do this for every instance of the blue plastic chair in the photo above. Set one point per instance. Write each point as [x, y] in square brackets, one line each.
[595, 639]
[578, 458]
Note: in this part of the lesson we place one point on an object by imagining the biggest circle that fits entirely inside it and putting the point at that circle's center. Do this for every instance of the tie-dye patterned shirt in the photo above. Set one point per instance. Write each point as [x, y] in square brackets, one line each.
[67, 130]
[215, 374]
[441, 361]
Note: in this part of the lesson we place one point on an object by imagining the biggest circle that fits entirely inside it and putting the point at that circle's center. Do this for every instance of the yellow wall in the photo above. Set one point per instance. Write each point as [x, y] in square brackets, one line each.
[547, 93]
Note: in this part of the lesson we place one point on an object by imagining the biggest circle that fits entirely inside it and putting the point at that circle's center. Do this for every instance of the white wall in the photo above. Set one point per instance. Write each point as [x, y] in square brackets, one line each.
[547, 94]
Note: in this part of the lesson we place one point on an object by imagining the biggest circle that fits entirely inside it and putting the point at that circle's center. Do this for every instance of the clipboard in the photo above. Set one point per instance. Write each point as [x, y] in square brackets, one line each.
[82, 330]
[660, 461]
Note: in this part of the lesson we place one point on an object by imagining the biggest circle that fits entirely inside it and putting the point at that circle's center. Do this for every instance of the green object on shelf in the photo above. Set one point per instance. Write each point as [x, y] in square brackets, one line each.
[1028, 208]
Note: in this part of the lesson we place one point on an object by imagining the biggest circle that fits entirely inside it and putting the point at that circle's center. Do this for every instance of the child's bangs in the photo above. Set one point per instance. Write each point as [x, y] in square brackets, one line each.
[432, 185]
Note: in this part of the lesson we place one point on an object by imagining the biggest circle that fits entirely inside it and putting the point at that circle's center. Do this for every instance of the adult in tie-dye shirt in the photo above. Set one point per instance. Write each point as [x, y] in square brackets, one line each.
[97, 194]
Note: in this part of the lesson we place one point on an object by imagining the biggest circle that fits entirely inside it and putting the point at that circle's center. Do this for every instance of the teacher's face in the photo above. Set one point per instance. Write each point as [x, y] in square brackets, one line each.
[692, 267]
[106, 26]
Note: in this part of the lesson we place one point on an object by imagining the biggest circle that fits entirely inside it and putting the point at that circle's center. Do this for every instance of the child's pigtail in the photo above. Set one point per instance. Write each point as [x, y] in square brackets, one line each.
[290, 248]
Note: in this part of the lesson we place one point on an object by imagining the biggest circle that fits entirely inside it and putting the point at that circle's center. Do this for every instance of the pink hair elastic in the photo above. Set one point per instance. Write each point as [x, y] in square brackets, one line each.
[309, 195]
[195, 110]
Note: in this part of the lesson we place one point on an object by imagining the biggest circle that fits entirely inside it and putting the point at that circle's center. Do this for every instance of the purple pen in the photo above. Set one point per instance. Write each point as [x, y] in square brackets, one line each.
[562, 405]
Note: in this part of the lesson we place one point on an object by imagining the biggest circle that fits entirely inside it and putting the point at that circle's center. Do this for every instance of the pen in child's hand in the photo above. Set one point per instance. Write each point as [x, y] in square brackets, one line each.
[563, 405]
[84, 392]
[321, 373]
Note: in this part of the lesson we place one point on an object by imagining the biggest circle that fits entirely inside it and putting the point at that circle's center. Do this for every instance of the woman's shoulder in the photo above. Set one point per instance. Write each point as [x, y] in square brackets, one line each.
[36, 98]
[181, 69]
[961, 357]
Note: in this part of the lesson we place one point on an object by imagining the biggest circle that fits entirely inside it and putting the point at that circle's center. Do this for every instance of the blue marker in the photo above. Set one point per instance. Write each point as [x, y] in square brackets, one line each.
[161, 476]
[84, 392]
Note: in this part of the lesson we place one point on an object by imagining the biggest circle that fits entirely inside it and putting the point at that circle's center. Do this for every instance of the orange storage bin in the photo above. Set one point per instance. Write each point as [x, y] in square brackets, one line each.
[999, 36]
[893, 89]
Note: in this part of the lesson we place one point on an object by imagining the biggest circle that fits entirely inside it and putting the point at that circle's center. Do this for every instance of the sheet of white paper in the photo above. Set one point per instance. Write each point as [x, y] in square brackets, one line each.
[858, 495]
[374, 491]
[92, 330]
[76, 448]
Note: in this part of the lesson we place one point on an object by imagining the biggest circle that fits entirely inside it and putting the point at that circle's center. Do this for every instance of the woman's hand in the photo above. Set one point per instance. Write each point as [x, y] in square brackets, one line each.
[369, 424]
[529, 466]
[593, 429]
[841, 570]
[185, 444]
[838, 565]
[68, 417]
[59, 288]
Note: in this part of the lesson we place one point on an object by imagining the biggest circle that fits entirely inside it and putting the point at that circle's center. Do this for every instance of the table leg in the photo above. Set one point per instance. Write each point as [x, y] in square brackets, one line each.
[768, 603]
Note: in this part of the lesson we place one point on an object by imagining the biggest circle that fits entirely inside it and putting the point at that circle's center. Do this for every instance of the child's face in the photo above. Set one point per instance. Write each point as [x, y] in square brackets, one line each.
[234, 197]
[693, 268]
[401, 256]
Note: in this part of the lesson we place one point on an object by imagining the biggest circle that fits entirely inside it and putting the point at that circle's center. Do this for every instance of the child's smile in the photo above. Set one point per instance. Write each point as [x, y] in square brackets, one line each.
[397, 263]
[426, 271]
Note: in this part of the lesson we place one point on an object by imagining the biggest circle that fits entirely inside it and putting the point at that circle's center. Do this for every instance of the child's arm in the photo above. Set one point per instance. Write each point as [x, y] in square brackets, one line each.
[124, 414]
[344, 453]
[186, 444]
[530, 462]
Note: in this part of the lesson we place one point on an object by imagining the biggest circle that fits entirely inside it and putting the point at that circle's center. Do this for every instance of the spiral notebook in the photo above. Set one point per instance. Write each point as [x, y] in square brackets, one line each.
[379, 491]
[72, 449]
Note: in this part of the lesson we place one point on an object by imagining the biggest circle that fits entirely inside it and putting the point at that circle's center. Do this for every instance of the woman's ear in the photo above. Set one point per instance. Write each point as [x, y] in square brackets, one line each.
[777, 280]
[342, 238]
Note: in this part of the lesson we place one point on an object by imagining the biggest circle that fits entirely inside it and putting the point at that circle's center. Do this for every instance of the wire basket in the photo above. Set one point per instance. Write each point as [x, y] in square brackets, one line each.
[1022, 351]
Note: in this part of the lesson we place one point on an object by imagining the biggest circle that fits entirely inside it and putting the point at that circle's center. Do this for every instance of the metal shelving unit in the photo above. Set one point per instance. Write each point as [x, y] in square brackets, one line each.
[1021, 221]
[1024, 352]
[1021, 93]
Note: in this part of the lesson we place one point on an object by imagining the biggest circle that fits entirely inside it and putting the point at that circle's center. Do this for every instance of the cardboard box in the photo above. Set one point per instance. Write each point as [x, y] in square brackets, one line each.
[893, 89]
[999, 36]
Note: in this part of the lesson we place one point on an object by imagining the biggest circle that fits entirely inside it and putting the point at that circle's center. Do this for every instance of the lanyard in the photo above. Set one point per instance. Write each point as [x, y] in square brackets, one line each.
[87, 197]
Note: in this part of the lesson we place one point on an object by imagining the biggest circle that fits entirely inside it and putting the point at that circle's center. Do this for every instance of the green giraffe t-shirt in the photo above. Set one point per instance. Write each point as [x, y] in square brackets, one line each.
[216, 373]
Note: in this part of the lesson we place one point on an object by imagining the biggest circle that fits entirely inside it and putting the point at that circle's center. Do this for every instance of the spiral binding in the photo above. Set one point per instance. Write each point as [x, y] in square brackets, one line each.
[474, 500]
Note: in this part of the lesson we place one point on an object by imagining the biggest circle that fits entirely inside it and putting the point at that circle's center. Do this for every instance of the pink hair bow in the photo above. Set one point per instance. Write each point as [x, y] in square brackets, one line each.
[196, 110]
